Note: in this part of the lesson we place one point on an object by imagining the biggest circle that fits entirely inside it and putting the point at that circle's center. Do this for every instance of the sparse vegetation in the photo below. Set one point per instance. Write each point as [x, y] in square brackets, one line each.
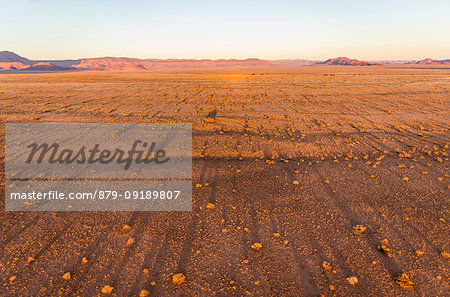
[296, 181]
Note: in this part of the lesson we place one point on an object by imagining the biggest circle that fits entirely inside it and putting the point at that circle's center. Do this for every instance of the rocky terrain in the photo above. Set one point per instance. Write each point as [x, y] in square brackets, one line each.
[10, 61]
[430, 61]
[308, 181]
[344, 61]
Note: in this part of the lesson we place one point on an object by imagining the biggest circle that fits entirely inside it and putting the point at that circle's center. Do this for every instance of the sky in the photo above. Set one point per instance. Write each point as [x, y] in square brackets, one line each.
[213, 29]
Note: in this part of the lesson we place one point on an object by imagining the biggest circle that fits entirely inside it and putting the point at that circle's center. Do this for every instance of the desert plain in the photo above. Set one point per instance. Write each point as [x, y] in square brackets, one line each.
[310, 181]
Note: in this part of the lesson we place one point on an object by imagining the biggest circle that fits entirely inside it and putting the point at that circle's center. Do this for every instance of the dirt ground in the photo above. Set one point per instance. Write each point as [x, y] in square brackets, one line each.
[337, 172]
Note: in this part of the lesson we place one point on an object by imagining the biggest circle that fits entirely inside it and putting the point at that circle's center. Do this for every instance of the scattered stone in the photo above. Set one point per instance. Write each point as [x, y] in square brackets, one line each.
[384, 249]
[107, 289]
[144, 293]
[353, 280]
[126, 228]
[256, 246]
[359, 229]
[66, 276]
[326, 265]
[130, 241]
[210, 206]
[404, 281]
[178, 278]
[295, 183]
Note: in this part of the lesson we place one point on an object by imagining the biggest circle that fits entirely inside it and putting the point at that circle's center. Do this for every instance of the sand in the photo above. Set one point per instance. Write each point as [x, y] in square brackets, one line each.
[313, 181]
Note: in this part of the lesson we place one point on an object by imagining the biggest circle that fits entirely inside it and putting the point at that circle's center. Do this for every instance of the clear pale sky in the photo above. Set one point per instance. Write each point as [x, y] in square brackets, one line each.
[279, 29]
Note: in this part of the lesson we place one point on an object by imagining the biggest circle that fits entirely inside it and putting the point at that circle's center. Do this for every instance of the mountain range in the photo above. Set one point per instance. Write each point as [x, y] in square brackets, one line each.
[12, 61]
[429, 61]
[347, 62]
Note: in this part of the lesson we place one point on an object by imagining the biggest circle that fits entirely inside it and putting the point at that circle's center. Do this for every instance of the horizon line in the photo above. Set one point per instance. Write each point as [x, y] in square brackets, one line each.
[233, 58]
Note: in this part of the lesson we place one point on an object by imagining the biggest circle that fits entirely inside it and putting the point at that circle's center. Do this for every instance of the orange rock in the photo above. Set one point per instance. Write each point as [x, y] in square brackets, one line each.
[178, 278]
[256, 246]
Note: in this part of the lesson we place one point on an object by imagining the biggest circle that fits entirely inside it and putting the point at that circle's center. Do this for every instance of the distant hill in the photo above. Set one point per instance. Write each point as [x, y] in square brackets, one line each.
[10, 61]
[291, 62]
[12, 66]
[108, 63]
[429, 61]
[391, 62]
[61, 63]
[7, 56]
[346, 62]
[45, 66]
[123, 63]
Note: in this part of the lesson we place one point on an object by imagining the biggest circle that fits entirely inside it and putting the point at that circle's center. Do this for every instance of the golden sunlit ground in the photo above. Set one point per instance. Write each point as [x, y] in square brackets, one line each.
[310, 181]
